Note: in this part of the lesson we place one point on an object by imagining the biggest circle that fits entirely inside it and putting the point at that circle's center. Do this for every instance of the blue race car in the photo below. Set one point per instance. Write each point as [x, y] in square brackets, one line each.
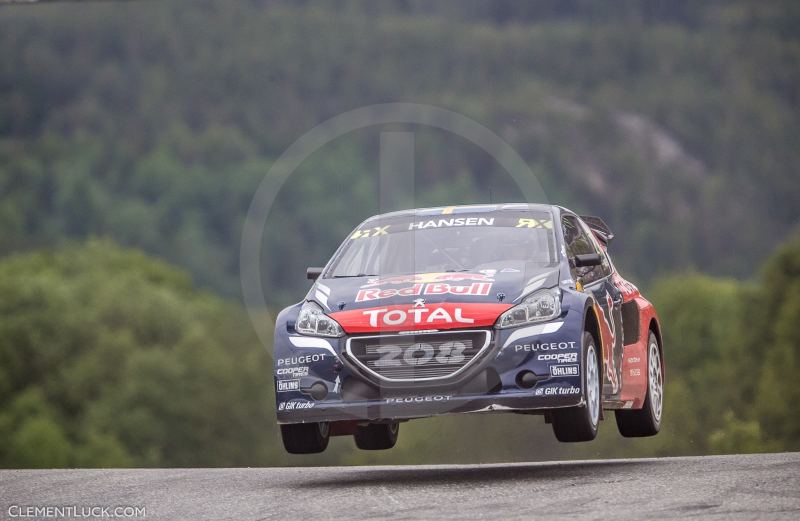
[499, 308]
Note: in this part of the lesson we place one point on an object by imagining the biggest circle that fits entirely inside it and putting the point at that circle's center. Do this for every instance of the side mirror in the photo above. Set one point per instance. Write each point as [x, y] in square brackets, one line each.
[313, 273]
[588, 260]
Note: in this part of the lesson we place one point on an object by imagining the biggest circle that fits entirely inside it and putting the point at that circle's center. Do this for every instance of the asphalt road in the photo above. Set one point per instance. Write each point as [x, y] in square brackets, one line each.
[725, 487]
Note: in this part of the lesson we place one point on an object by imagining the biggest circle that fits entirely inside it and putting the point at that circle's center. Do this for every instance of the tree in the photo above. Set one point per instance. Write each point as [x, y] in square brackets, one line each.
[110, 358]
[777, 342]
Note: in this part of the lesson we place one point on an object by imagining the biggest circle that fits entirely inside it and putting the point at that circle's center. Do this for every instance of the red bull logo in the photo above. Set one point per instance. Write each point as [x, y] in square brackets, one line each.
[427, 278]
[478, 289]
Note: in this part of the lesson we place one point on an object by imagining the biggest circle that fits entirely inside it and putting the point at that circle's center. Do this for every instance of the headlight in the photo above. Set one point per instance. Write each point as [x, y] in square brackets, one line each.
[539, 307]
[313, 321]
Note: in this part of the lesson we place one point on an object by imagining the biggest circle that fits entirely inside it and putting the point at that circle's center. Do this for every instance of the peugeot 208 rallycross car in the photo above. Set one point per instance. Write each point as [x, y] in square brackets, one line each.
[512, 308]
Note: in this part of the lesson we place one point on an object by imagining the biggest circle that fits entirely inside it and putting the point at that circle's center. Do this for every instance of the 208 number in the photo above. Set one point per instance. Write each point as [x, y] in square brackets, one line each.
[420, 354]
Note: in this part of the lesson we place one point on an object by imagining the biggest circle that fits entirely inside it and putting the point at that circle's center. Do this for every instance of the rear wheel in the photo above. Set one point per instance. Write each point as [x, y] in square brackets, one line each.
[647, 420]
[377, 436]
[305, 438]
[580, 423]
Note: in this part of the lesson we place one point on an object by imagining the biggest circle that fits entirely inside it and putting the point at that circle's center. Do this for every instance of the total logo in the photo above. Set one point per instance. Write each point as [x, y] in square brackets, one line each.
[437, 288]
[419, 316]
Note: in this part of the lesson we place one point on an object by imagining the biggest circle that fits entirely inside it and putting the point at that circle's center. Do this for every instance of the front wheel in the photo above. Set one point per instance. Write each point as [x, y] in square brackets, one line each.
[647, 420]
[377, 436]
[580, 423]
[305, 438]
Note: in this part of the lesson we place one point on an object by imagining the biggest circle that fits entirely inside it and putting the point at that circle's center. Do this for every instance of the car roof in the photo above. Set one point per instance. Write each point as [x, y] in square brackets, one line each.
[468, 208]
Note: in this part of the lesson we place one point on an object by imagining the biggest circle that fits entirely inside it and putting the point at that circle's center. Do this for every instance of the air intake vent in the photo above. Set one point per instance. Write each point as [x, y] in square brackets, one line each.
[418, 358]
[630, 322]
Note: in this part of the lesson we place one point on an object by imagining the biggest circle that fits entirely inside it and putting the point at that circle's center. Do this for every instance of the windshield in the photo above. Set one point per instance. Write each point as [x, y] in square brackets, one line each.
[441, 243]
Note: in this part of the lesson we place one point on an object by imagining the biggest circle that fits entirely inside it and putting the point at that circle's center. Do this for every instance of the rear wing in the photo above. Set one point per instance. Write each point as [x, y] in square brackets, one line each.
[599, 227]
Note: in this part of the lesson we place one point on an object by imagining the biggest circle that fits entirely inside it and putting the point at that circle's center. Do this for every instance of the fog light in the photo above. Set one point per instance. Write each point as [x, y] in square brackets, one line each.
[317, 391]
[527, 379]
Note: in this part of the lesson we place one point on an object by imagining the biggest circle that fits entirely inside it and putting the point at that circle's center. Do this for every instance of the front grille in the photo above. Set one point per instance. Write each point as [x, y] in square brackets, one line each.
[419, 357]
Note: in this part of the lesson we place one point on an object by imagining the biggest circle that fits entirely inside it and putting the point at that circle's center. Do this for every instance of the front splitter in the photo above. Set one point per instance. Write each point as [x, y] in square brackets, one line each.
[410, 407]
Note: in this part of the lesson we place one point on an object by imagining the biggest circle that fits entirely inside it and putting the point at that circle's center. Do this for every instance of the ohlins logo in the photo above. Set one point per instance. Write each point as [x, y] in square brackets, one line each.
[565, 370]
[439, 288]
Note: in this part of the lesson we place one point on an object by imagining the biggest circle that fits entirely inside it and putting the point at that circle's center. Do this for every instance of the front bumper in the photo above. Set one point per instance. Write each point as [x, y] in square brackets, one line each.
[317, 379]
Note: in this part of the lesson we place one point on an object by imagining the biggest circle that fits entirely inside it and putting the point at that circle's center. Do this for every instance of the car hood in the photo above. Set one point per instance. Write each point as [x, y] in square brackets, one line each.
[428, 300]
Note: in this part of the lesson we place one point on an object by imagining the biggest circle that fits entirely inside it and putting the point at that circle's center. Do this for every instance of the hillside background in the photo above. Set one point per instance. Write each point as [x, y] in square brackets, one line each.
[134, 134]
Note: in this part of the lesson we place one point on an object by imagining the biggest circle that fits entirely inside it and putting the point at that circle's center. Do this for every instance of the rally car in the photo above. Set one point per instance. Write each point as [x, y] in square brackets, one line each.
[512, 308]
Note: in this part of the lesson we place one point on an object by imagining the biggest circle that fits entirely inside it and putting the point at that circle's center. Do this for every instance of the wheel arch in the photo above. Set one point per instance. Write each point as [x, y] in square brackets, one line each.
[655, 327]
[591, 323]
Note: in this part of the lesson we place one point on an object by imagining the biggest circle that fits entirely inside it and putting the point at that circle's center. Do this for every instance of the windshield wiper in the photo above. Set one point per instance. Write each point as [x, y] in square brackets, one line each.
[353, 276]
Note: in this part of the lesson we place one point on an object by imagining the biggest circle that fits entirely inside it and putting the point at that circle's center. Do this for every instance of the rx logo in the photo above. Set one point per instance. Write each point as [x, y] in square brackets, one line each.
[370, 232]
[419, 302]
[535, 223]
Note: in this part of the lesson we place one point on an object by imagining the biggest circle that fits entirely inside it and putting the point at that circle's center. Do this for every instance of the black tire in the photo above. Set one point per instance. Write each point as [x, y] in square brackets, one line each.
[574, 424]
[305, 438]
[647, 420]
[377, 436]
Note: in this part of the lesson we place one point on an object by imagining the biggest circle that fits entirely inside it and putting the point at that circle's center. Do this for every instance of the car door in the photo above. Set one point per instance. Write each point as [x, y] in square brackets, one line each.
[597, 280]
[613, 308]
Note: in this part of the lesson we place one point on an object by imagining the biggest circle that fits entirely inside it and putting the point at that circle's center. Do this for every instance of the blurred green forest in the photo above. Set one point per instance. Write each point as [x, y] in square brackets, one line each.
[150, 125]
